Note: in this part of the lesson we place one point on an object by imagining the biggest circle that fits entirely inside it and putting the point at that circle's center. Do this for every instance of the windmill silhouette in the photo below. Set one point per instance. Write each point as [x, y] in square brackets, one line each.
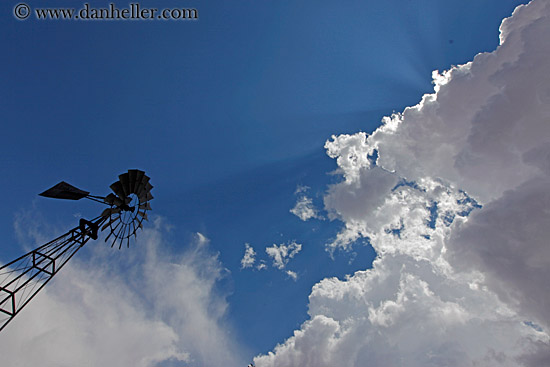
[22, 278]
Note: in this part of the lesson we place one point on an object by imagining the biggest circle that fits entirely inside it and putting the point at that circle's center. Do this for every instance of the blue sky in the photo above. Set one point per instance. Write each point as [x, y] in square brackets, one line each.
[228, 115]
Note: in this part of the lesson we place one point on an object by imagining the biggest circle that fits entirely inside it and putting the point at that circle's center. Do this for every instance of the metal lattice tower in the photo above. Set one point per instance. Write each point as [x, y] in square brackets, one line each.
[22, 278]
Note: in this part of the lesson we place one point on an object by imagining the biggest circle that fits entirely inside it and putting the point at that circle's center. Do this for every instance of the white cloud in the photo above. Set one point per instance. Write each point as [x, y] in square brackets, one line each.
[508, 241]
[261, 265]
[144, 307]
[283, 253]
[447, 289]
[304, 208]
[292, 274]
[249, 257]
[301, 189]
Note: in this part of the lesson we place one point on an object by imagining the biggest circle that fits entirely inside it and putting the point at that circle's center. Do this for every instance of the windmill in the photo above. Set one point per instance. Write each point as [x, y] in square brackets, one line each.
[24, 277]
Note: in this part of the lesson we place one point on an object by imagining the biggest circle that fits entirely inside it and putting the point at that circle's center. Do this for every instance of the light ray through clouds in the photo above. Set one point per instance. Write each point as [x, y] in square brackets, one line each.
[456, 206]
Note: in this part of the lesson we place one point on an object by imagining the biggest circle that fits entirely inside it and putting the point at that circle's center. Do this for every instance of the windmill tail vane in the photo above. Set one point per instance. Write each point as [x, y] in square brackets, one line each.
[22, 278]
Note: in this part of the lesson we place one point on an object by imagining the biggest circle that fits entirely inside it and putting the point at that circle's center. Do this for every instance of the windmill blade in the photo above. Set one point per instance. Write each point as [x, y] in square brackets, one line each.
[64, 190]
[143, 215]
[125, 181]
[110, 211]
[142, 192]
[145, 206]
[110, 199]
[117, 189]
[132, 173]
[139, 177]
[143, 183]
[146, 197]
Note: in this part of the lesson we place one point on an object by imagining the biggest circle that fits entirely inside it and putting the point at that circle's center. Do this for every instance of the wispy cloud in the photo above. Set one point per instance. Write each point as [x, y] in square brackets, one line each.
[148, 307]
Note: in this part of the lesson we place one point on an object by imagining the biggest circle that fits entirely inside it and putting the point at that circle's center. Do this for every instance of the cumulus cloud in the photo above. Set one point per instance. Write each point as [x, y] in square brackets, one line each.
[150, 307]
[283, 253]
[453, 195]
[304, 208]
[508, 241]
[249, 257]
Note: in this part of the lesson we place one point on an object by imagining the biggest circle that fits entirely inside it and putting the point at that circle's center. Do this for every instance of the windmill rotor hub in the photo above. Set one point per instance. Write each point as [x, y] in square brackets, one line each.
[129, 203]
[127, 208]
